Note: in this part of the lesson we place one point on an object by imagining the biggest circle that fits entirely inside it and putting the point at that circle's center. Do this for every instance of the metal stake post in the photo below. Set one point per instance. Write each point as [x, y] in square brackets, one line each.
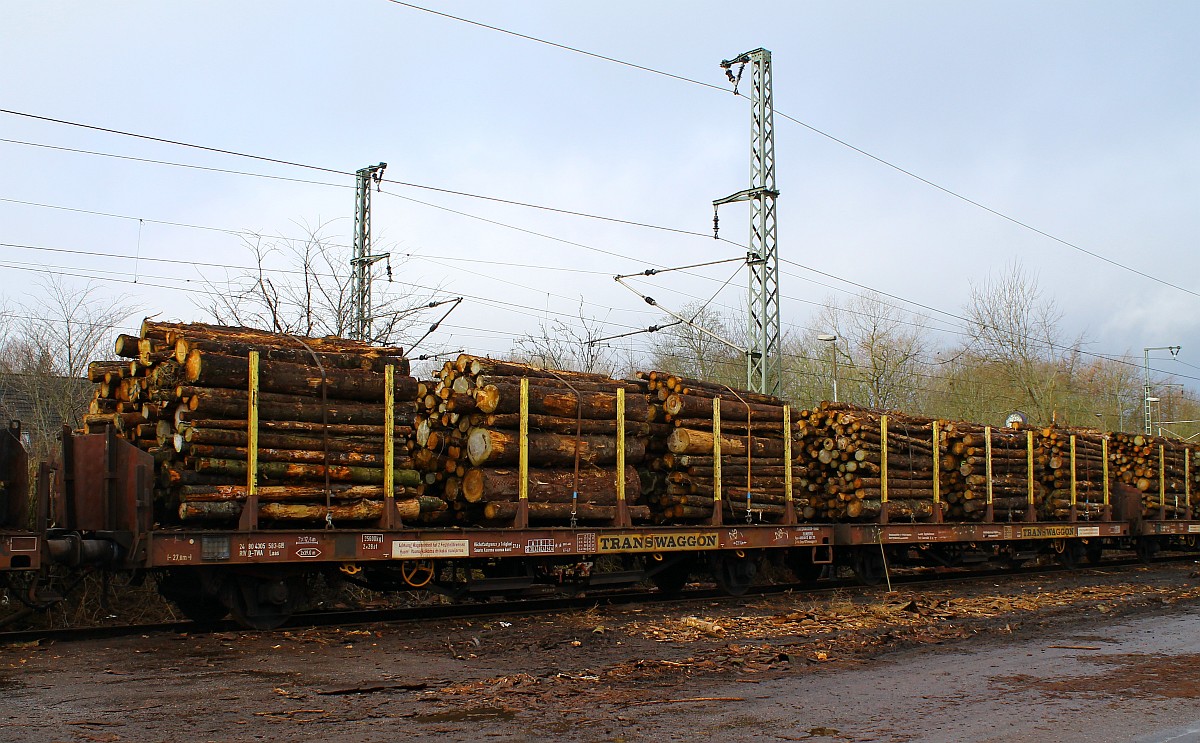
[249, 517]
[522, 519]
[622, 506]
[717, 514]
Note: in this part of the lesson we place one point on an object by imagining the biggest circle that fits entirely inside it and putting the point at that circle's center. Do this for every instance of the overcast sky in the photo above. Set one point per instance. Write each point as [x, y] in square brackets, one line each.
[1081, 119]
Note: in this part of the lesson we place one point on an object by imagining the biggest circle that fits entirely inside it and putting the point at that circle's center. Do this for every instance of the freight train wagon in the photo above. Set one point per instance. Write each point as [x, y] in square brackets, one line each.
[20, 544]
[236, 464]
[103, 510]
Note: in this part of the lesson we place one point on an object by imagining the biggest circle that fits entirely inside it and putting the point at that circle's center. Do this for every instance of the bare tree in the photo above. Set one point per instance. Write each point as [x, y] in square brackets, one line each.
[1015, 330]
[702, 348]
[313, 294]
[960, 388]
[45, 355]
[806, 370]
[562, 345]
[1108, 394]
[881, 350]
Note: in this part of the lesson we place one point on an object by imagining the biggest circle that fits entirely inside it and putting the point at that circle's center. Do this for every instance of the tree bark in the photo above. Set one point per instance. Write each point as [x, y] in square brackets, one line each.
[562, 403]
[562, 512]
[690, 406]
[373, 360]
[688, 441]
[290, 471]
[567, 426]
[402, 460]
[595, 486]
[216, 370]
[223, 403]
[335, 442]
[334, 429]
[489, 446]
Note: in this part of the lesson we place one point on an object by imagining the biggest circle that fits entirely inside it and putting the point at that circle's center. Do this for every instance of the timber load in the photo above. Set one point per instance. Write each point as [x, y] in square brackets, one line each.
[1163, 471]
[984, 468]
[468, 442]
[868, 464]
[718, 435]
[693, 451]
[182, 393]
[1072, 462]
[921, 469]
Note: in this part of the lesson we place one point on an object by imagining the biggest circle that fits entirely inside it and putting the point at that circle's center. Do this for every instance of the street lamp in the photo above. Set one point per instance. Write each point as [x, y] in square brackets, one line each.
[831, 339]
[1146, 351]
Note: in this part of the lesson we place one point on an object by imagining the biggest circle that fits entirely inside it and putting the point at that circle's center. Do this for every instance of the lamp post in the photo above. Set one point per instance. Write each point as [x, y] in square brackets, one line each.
[1146, 397]
[831, 339]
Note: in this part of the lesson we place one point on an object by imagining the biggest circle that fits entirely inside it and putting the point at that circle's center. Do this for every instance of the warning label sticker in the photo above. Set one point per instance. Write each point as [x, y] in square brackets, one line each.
[406, 549]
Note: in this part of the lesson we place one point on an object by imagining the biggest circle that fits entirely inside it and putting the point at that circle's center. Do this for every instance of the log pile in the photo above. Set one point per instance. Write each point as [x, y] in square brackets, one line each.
[1137, 460]
[182, 395]
[468, 440]
[1053, 457]
[845, 446]
[752, 444]
[965, 472]
[180, 392]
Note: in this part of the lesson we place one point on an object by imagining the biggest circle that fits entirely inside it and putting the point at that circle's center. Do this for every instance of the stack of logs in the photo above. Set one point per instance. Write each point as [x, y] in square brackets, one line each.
[183, 396]
[470, 429]
[181, 393]
[1054, 459]
[1136, 461]
[752, 446]
[846, 444]
[964, 472]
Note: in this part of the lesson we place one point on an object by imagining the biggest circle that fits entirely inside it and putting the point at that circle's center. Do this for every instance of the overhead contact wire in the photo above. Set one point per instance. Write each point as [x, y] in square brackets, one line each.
[175, 142]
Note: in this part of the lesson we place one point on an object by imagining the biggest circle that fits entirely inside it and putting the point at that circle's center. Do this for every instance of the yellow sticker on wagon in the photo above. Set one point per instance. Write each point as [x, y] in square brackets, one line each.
[657, 542]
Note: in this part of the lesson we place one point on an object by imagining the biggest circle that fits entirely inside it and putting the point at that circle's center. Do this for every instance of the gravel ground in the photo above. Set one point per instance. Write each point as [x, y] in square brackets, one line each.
[1098, 655]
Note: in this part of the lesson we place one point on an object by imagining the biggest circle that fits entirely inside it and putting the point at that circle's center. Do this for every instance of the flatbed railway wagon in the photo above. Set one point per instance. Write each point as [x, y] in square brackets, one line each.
[105, 514]
[260, 573]
[20, 543]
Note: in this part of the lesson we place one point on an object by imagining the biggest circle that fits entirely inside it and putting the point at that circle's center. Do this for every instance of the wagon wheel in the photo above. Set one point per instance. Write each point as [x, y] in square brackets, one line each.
[1145, 548]
[185, 589]
[802, 566]
[1095, 551]
[417, 573]
[1071, 552]
[262, 603]
[867, 563]
[670, 580]
[735, 573]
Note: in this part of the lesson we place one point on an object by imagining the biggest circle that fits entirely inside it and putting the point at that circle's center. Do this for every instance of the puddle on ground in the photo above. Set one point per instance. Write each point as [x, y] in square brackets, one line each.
[1123, 675]
[469, 715]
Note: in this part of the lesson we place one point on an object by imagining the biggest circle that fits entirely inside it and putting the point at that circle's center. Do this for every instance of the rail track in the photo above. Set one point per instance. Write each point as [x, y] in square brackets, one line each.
[907, 578]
